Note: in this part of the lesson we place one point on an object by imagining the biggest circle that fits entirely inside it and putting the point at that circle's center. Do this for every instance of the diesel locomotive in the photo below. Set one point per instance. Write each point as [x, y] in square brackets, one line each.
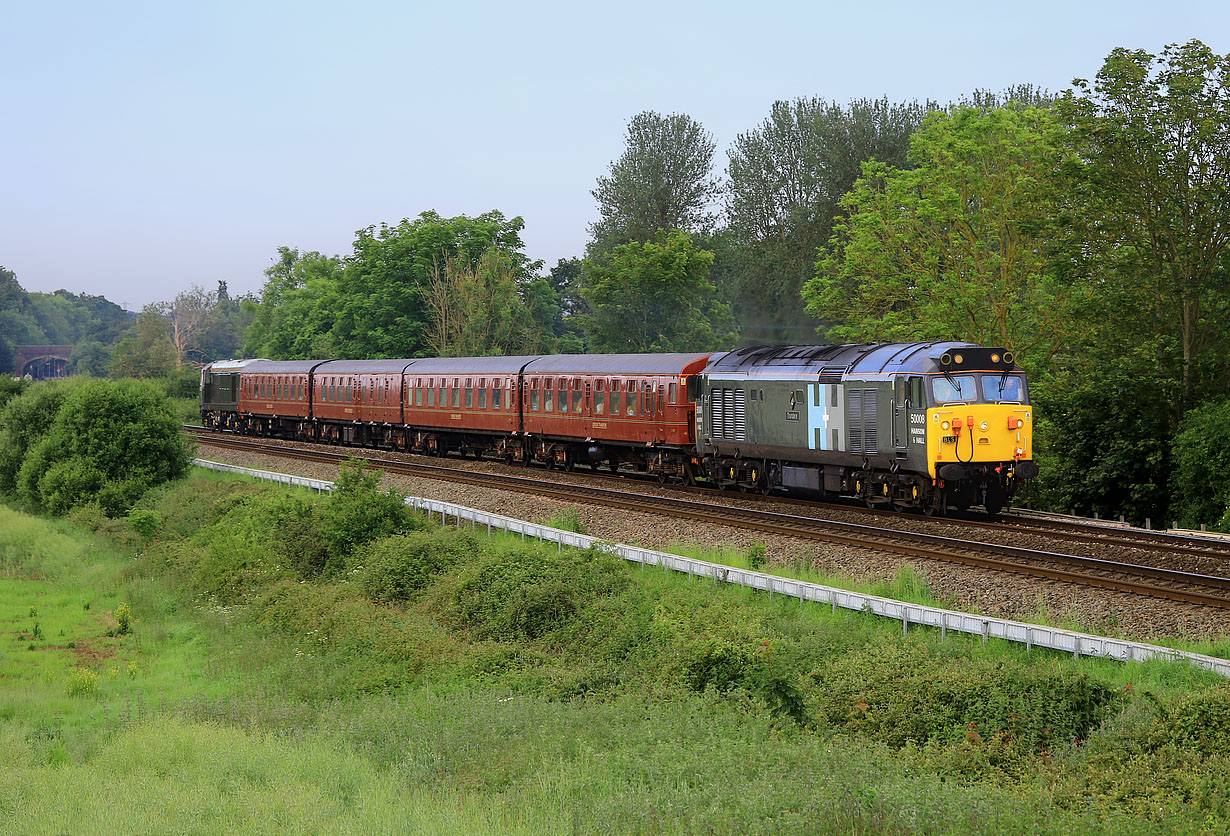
[923, 426]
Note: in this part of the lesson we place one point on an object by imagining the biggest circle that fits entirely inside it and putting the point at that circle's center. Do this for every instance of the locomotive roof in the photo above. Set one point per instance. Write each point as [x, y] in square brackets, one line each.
[617, 364]
[221, 366]
[282, 366]
[850, 359]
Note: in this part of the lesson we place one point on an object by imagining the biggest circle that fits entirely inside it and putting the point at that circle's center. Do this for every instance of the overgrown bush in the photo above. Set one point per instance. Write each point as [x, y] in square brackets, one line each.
[106, 442]
[25, 419]
[394, 568]
[900, 693]
[525, 592]
[1200, 721]
[318, 537]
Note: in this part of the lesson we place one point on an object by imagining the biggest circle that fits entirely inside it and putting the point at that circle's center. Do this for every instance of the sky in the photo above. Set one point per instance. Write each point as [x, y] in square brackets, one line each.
[150, 146]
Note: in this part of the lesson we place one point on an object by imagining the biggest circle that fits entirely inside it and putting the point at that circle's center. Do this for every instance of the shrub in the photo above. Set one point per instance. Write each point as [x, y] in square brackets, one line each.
[899, 693]
[756, 557]
[394, 568]
[319, 537]
[145, 522]
[1200, 721]
[27, 418]
[108, 442]
[720, 664]
[526, 592]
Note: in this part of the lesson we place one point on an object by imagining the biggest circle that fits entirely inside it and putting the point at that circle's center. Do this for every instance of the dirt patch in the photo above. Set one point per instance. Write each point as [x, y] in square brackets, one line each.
[89, 655]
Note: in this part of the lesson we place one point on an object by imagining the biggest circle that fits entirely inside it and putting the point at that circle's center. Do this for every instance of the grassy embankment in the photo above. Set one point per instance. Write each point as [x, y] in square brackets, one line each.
[294, 664]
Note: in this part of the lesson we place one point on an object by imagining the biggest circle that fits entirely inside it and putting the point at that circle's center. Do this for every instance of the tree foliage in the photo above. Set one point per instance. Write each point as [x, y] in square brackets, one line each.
[374, 303]
[654, 296]
[147, 352]
[478, 310]
[957, 247]
[1201, 461]
[663, 180]
[1153, 137]
[786, 181]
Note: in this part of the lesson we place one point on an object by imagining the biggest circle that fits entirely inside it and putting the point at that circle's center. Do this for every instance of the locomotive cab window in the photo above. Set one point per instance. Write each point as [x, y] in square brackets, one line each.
[954, 389]
[1006, 388]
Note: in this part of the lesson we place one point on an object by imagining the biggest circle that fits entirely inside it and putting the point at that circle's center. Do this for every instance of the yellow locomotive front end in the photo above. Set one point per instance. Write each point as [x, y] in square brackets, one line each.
[979, 430]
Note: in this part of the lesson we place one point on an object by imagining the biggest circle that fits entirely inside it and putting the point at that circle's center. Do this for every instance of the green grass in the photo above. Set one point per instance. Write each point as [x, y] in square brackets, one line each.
[436, 682]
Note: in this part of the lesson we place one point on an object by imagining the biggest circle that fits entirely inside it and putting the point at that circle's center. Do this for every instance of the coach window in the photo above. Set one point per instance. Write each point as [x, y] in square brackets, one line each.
[534, 394]
[469, 393]
[456, 393]
[674, 393]
[431, 391]
[578, 396]
[646, 399]
[482, 393]
[630, 397]
[599, 398]
[563, 395]
[548, 395]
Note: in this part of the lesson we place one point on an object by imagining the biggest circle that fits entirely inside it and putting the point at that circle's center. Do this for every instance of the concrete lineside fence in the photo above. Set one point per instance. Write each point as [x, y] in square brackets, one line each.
[1030, 635]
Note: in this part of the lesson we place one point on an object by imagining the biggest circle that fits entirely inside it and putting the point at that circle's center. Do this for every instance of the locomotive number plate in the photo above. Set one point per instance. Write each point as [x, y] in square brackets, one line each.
[792, 416]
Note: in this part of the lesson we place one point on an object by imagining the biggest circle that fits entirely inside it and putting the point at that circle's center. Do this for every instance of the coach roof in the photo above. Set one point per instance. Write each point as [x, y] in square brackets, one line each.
[618, 364]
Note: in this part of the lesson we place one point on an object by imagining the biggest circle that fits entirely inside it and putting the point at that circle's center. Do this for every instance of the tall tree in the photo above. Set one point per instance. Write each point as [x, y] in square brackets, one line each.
[1153, 134]
[787, 178]
[957, 247]
[187, 316]
[297, 307]
[663, 180]
[654, 296]
[477, 310]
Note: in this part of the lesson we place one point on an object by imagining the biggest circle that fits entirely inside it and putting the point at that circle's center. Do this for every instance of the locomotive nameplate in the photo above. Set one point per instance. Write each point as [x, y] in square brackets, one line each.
[792, 416]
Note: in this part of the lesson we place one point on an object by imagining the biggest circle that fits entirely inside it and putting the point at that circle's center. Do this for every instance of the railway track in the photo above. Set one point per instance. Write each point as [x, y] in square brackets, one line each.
[1151, 581]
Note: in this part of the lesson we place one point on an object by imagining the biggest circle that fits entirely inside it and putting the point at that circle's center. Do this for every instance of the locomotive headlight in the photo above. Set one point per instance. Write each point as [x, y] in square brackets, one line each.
[983, 426]
[944, 425]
